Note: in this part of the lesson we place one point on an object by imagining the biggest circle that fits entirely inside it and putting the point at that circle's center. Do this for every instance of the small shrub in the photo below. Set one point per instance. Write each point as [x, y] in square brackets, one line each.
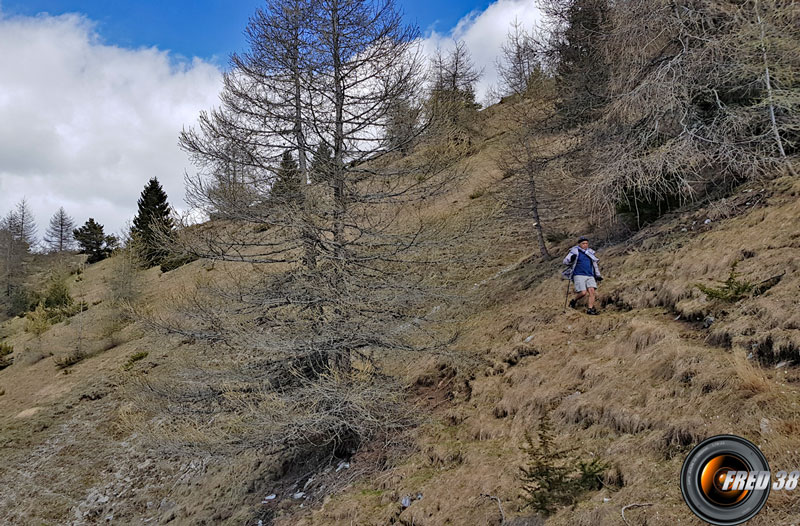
[551, 476]
[477, 193]
[21, 301]
[57, 295]
[133, 358]
[70, 359]
[731, 291]
[5, 351]
[38, 321]
[65, 313]
[557, 237]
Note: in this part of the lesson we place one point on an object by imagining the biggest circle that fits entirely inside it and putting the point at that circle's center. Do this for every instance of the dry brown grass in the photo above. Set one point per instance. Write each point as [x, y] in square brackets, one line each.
[636, 388]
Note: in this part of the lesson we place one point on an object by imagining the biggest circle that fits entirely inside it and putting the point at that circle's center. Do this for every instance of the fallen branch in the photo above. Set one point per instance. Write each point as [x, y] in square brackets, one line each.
[641, 505]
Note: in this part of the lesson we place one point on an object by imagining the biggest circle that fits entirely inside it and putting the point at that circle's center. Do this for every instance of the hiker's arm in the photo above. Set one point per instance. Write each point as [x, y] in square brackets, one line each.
[570, 257]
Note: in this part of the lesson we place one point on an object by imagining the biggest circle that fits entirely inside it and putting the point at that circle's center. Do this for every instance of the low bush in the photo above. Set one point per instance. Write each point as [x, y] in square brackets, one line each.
[38, 321]
[5, 352]
[732, 290]
[21, 301]
[557, 237]
[133, 358]
[477, 193]
[552, 477]
[57, 295]
[70, 359]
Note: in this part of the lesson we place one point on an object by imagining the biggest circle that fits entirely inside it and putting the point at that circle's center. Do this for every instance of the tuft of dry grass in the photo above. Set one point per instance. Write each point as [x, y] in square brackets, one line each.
[69, 359]
[750, 378]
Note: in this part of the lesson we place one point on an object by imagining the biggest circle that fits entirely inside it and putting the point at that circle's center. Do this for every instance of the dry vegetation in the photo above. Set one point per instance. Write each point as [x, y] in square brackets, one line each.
[634, 388]
[195, 396]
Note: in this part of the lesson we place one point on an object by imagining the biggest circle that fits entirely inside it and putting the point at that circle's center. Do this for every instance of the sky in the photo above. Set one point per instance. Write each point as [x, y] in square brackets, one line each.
[93, 94]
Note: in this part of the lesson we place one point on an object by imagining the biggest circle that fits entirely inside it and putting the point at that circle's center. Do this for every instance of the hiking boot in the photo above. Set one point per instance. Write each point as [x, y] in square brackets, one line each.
[573, 303]
[592, 311]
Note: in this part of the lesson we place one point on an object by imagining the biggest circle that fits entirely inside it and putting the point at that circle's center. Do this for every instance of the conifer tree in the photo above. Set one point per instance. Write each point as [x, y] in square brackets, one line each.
[326, 307]
[152, 221]
[451, 105]
[22, 225]
[582, 73]
[58, 236]
[287, 187]
[93, 241]
[18, 231]
[321, 164]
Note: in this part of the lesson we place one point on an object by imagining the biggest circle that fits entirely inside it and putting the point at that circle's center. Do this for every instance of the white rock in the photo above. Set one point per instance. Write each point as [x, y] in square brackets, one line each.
[299, 495]
[765, 427]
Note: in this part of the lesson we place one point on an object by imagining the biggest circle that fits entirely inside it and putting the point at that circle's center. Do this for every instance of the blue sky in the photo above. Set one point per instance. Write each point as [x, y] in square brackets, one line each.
[100, 90]
[210, 29]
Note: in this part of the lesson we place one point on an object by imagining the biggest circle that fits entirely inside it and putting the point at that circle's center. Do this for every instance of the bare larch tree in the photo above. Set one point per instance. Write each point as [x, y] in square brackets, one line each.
[332, 265]
[58, 236]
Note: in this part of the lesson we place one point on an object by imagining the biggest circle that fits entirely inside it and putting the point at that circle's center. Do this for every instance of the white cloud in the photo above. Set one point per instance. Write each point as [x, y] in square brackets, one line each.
[84, 125]
[484, 33]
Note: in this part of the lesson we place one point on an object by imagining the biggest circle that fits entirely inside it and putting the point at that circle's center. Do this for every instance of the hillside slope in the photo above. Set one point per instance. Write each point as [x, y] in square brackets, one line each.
[635, 387]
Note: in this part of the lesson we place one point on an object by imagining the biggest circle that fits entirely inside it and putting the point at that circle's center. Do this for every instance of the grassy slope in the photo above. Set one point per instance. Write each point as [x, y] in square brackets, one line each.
[635, 386]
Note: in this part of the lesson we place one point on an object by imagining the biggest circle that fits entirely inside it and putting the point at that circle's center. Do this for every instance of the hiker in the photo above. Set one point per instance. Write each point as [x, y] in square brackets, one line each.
[583, 272]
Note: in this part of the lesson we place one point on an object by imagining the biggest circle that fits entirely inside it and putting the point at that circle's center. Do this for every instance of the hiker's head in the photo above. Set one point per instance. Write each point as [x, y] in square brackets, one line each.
[583, 243]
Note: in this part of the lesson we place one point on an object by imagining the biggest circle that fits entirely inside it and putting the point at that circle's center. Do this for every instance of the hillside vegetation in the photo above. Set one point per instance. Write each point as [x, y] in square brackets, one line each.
[376, 332]
[634, 388]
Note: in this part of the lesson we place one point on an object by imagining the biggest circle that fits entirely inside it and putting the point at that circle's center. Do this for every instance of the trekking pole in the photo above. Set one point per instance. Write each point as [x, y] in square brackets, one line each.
[566, 297]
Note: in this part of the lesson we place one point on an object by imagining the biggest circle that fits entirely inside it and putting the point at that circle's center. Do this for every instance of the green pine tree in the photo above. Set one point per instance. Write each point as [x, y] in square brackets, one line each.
[321, 164]
[152, 221]
[552, 476]
[93, 241]
[582, 74]
[287, 186]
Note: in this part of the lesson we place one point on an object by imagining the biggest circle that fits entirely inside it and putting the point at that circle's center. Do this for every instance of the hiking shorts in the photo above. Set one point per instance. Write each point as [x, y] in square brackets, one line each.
[584, 282]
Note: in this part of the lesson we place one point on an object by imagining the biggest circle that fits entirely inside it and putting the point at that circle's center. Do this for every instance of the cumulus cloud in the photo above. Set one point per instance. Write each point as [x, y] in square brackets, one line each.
[84, 125]
[484, 33]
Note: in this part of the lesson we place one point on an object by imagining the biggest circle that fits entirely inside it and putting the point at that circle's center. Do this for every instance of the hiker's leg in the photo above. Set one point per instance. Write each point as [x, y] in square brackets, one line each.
[580, 287]
[591, 297]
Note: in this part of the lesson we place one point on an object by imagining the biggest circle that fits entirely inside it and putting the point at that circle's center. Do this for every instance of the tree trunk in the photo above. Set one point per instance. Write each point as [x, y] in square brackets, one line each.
[537, 222]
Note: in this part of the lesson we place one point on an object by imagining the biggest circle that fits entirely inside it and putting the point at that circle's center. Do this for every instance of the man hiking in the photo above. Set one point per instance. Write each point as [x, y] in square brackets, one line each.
[584, 273]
